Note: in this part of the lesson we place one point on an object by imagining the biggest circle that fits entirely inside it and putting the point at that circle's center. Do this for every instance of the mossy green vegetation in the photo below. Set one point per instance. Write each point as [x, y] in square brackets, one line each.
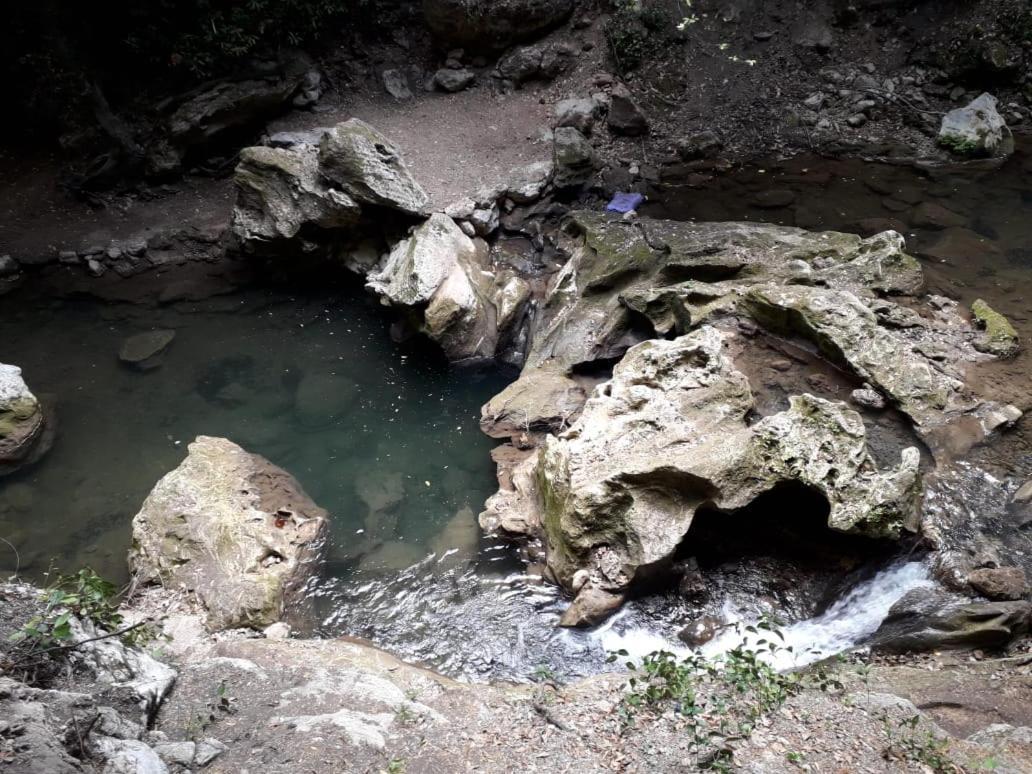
[1001, 339]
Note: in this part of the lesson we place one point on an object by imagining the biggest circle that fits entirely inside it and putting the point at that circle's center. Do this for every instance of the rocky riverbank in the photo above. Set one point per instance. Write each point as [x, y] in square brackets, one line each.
[686, 389]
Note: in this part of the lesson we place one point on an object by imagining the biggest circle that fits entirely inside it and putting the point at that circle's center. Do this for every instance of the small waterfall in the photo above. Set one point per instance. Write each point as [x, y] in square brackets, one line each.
[845, 624]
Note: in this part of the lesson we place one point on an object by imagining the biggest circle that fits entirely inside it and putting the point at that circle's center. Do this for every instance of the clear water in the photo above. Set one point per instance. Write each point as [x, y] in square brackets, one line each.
[439, 593]
[313, 383]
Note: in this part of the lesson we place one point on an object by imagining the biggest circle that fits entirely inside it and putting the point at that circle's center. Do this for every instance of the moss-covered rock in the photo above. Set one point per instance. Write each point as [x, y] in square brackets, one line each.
[23, 424]
[358, 159]
[1000, 337]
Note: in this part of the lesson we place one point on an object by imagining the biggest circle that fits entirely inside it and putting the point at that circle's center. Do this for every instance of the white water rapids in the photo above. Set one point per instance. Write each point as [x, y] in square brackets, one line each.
[845, 624]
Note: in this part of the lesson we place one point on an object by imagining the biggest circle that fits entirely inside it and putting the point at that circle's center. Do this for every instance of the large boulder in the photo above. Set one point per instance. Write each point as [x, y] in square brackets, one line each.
[615, 494]
[358, 159]
[233, 529]
[977, 129]
[440, 271]
[218, 108]
[492, 25]
[279, 190]
[24, 435]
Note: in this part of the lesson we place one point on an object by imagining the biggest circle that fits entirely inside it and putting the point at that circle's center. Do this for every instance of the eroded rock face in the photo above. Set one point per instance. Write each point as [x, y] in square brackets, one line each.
[678, 425]
[483, 24]
[668, 434]
[629, 281]
[929, 619]
[440, 270]
[23, 424]
[358, 159]
[279, 190]
[233, 529]
[225, 106]
[540, 400]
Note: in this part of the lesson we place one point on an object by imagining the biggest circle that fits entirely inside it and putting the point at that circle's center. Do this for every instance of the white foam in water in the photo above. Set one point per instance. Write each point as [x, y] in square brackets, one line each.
[842, 626]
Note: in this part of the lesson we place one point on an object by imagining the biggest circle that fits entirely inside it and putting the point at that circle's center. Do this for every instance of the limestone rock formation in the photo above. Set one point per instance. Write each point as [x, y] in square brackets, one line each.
[930, 619]
[438, 269]
[678, 425]
[977, 129]
[206, 114]
[1000, 337]
[668, 434]
[629, 281]
[357, 158]
[540, 400]
[24, 435]
[575, 160]
[492, 25]
[233, 529]
[279, 190]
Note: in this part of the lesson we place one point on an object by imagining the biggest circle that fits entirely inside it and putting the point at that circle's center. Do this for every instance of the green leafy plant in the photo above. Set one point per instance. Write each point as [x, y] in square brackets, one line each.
[908, 740]
[634, 31]
[722, 698]
[959, 145]
[543, 673]
[86, 596]
[395, 766]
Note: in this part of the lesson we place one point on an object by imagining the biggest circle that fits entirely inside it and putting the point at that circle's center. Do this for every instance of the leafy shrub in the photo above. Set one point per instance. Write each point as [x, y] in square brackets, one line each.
[633, 35]
[723, 697]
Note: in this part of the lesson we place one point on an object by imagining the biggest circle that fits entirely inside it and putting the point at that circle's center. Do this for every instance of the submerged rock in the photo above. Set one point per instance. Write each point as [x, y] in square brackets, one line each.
[616, 493]
[233, 529]
[144, 350]
[369, 168]
[323, 398]
[24, 436]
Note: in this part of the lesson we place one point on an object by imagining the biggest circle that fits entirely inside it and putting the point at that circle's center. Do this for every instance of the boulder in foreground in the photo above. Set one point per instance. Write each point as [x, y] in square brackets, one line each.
[233, 529]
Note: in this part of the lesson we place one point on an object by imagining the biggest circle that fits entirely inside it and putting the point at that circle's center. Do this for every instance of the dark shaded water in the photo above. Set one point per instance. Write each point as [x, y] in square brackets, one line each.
[386, 438]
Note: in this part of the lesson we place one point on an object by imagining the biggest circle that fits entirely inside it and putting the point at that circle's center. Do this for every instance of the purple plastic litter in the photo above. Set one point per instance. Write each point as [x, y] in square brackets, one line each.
[625, 202]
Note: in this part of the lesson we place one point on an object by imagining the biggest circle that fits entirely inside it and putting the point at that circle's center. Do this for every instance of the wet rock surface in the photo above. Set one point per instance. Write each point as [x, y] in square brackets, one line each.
[24, 435]
[668, 434]
[930, 619]
[232, 529]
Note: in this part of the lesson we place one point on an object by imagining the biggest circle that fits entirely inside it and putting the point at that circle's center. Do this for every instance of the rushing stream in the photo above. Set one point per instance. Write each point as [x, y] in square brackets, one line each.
[313, 382]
